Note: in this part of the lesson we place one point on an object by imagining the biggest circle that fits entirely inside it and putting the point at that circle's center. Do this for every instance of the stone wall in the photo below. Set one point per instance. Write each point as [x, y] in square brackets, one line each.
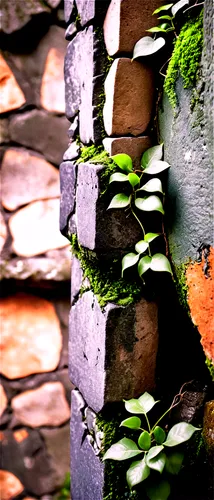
[35, 257]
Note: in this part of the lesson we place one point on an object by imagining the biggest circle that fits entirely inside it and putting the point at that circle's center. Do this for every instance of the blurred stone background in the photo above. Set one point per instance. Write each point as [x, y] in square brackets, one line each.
[35, 257]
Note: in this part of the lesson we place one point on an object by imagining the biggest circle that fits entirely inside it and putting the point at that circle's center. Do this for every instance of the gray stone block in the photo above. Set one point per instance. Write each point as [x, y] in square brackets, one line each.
[98, 228]
[67, 200]
[87, 471]
[112, 352]
[68, 9]
[72, 76]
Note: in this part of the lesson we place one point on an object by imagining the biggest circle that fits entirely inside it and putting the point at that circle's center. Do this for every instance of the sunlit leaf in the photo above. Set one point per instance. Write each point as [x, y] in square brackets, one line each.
[153, 452]
[147, 46]
[158, 491]
[174, 462]
[156, 29]
[133, 179]
[133, 406]
[118, 177]
[150, 204]
[147, 402]
[180, 433]
[157, 463]
[129, 260]
[131, 423]
[141, 246]
[151, 236]
[124, 449]
[154, 153]
[156, 166]
[144, 440]
[159, 434]
[160, 262]
[179, 5]
[120, 200]
[168, 18]
[152, 186]
[137, 473]
[144, 265]
[123, 161]
[163, 7]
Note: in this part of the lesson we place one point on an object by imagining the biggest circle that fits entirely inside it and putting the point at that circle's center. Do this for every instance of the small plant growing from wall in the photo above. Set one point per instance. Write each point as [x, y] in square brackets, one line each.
[144, 197]
[155, 448]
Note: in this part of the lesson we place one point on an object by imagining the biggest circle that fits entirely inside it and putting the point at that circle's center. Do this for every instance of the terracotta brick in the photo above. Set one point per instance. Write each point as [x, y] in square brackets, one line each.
[12, 96]
[132, 146]
[10, 486]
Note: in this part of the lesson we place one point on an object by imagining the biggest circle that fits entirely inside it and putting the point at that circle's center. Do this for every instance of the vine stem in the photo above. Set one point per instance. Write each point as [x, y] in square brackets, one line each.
[149, 427]
[141, 225]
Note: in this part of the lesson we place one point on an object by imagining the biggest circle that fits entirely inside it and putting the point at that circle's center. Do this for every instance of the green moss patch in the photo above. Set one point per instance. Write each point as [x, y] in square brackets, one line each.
[181, 285]
[210, 367]
[185, 58]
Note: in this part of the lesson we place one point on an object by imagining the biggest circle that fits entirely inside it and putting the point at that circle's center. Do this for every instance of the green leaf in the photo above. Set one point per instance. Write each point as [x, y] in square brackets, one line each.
[120, 200]
[154, 153]
[133, 179]
[147, 402]
[144, 440]
[156, 166]
[152, 186]
[137, 473]
[168, 18]
[174, 462]
[160, 263]
[123, 161]
[141, 246]
[156, 29]
[129, 260]
[159, 434]
[124, 449]
[144, 265]
[151, 236]
[163, 7]
[150, 204]
[180, 433]
[157, 463]
[133, 406]
[147, 46]
[153, 452]
[131, 423]
[118, 177]
[160, 491]
[179, 5]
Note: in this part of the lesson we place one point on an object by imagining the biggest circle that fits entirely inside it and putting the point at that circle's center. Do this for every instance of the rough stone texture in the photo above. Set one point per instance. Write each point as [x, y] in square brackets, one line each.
[83, 82]
[87, 477]
[56, 441]
[125, 25]
[34, 228]
[41, 131]
[16, 14]
[72, 152]
[30, 462]
[98, 228]
[3, 232]
[10, 486]
[71, 30]
[46, 406]
[77, 279]
[132, 146]
[56, 265]
[129, 89]
[208, 68]
[68, 8]
[28, 68]
[36, 345]
[190, 180]
[208, 435]
[25, 178]
[201, 300]
[191, 406]
[67, 200]
[3, 400]
[53, 87]
[4, 132]
[116, 347]
[12, 96]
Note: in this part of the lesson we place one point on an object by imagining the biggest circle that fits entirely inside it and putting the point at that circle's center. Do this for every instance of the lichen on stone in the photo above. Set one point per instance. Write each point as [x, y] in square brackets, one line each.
[185, 58]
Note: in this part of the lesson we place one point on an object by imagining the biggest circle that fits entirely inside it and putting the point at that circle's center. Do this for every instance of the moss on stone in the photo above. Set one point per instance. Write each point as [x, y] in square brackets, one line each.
[210, 367]
[107, 285]
[181, 285]
[185, 58]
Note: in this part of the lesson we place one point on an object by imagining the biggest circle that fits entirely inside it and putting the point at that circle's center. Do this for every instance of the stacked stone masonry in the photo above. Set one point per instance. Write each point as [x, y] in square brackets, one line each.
[35, 257]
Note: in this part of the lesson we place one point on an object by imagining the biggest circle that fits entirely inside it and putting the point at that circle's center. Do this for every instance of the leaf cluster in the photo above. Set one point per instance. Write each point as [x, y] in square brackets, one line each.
[145, 197]
[148, 46]
[153, 444]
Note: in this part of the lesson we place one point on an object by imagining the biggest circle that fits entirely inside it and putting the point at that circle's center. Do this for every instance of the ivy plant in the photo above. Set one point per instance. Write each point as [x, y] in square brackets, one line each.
[144, 197]
[154, 448]
[147, 46]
